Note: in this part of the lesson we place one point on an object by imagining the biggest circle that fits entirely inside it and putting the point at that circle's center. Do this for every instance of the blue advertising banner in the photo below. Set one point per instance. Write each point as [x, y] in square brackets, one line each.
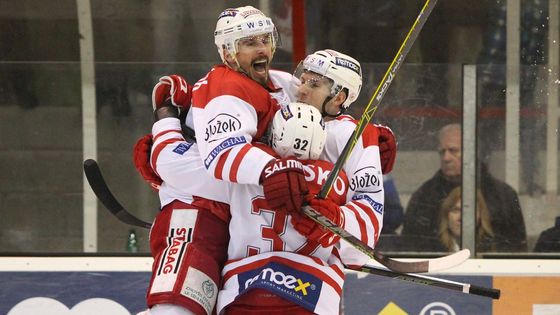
[123, 293]
[381, 295]
[46, 293]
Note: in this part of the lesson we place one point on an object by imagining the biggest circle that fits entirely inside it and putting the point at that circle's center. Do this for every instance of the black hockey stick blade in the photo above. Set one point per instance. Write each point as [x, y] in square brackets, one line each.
[421, 266]
[101, 190]
[431, 281]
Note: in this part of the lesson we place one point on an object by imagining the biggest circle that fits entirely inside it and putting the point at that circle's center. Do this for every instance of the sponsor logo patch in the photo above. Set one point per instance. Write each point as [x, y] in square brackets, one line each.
[178, 236]
[286, 113]
[348, 64]
[300, 287]
[182, 148]
[226, 144]
[219, 126]
[366, 180]
[377, 207]
[229, 12]
[200, 288]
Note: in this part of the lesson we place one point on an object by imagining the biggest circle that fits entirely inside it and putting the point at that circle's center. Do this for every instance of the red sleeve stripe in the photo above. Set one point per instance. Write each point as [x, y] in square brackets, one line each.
[218, 171]
[158, 148]
[166, 132]
[336, 268]
[237, 161]
[361, 222]
[308, 248]
[372, 219]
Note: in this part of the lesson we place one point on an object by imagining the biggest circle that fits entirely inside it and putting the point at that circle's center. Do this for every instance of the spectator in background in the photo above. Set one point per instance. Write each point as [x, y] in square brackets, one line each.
[450, 223]
[506, 218]
[394, 212]
[549, 240]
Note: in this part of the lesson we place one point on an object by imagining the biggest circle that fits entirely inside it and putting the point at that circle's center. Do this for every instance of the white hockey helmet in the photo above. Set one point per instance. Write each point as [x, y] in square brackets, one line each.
[298, 130]
[343, 70]
[236, 23]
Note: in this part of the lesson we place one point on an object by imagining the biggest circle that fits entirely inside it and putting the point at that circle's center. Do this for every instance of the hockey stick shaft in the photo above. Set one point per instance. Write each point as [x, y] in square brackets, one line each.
[379, 93]
[427, 265]
[103, 193]
[431, 281]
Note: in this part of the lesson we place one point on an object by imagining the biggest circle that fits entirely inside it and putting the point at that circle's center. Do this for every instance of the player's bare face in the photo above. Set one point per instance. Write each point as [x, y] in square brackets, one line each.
[450, 153]
[254, 54]
[314, 90]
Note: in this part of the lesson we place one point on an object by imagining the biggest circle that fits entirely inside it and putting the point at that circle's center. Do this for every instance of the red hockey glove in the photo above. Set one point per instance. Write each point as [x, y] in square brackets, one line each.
[141, 158]
[172, 90]
[387, 148]
[284, 184]
[315, 232]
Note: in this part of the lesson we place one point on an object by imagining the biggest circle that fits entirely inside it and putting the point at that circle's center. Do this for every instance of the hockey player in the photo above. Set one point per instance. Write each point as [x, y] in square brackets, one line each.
[331, 81]
[232, 106]
[272, 268]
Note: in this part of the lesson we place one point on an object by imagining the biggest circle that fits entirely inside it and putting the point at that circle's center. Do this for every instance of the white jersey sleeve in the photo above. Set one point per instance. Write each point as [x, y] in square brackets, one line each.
[364, 211]
[178, 164]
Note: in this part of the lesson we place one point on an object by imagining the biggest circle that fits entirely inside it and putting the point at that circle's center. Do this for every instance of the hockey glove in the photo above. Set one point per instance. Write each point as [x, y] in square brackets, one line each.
[172, 90]
[315, 232]
[387, 148]
[284, 184]
[141, 158]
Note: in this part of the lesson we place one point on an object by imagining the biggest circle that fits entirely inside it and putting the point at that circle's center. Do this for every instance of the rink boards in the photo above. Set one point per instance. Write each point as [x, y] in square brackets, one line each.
[117, 286]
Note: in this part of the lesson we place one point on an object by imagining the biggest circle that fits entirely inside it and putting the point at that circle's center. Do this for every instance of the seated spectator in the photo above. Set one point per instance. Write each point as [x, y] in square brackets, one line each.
[549, 240]
[506, 218]
[450, 223]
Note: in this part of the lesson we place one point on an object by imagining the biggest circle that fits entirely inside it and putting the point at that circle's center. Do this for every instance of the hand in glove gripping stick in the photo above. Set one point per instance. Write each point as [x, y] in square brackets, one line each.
[315, 232]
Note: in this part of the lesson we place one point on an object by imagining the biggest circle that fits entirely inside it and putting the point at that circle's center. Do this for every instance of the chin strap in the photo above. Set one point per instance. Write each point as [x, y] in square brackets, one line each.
[324, 109]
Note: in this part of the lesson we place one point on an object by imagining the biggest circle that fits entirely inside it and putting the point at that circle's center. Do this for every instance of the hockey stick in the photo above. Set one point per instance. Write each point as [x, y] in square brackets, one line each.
[421, 266]
[101, 190]
[405, 267]
[431, 281]
[103, 193]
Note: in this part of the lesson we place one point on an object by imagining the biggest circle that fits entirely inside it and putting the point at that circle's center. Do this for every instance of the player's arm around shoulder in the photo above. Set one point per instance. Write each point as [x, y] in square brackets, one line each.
[225, 126]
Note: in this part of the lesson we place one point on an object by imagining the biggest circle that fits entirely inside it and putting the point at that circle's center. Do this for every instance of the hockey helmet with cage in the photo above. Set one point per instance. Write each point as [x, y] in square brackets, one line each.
[344, 71]
[298, 130]
[237, 23]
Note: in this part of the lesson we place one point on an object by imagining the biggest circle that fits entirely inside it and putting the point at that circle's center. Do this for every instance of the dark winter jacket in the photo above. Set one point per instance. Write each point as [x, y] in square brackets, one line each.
[421, 217]
[549, 240]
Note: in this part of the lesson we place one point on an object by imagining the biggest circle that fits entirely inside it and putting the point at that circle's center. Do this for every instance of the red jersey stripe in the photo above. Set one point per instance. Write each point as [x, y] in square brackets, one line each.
[218, 171]
[361, 222]
[237, 161]
[157, 150]
[372, 218]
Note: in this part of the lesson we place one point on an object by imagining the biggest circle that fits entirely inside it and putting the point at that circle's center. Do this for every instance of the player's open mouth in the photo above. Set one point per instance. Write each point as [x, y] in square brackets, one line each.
[260, 65]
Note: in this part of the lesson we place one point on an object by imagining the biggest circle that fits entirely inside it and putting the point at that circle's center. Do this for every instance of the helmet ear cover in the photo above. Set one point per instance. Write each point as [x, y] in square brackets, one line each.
[298, 130]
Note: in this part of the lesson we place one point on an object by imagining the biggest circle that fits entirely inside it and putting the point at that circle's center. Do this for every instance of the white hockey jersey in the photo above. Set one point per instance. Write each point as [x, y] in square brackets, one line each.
[265, 251]
[229, 112]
